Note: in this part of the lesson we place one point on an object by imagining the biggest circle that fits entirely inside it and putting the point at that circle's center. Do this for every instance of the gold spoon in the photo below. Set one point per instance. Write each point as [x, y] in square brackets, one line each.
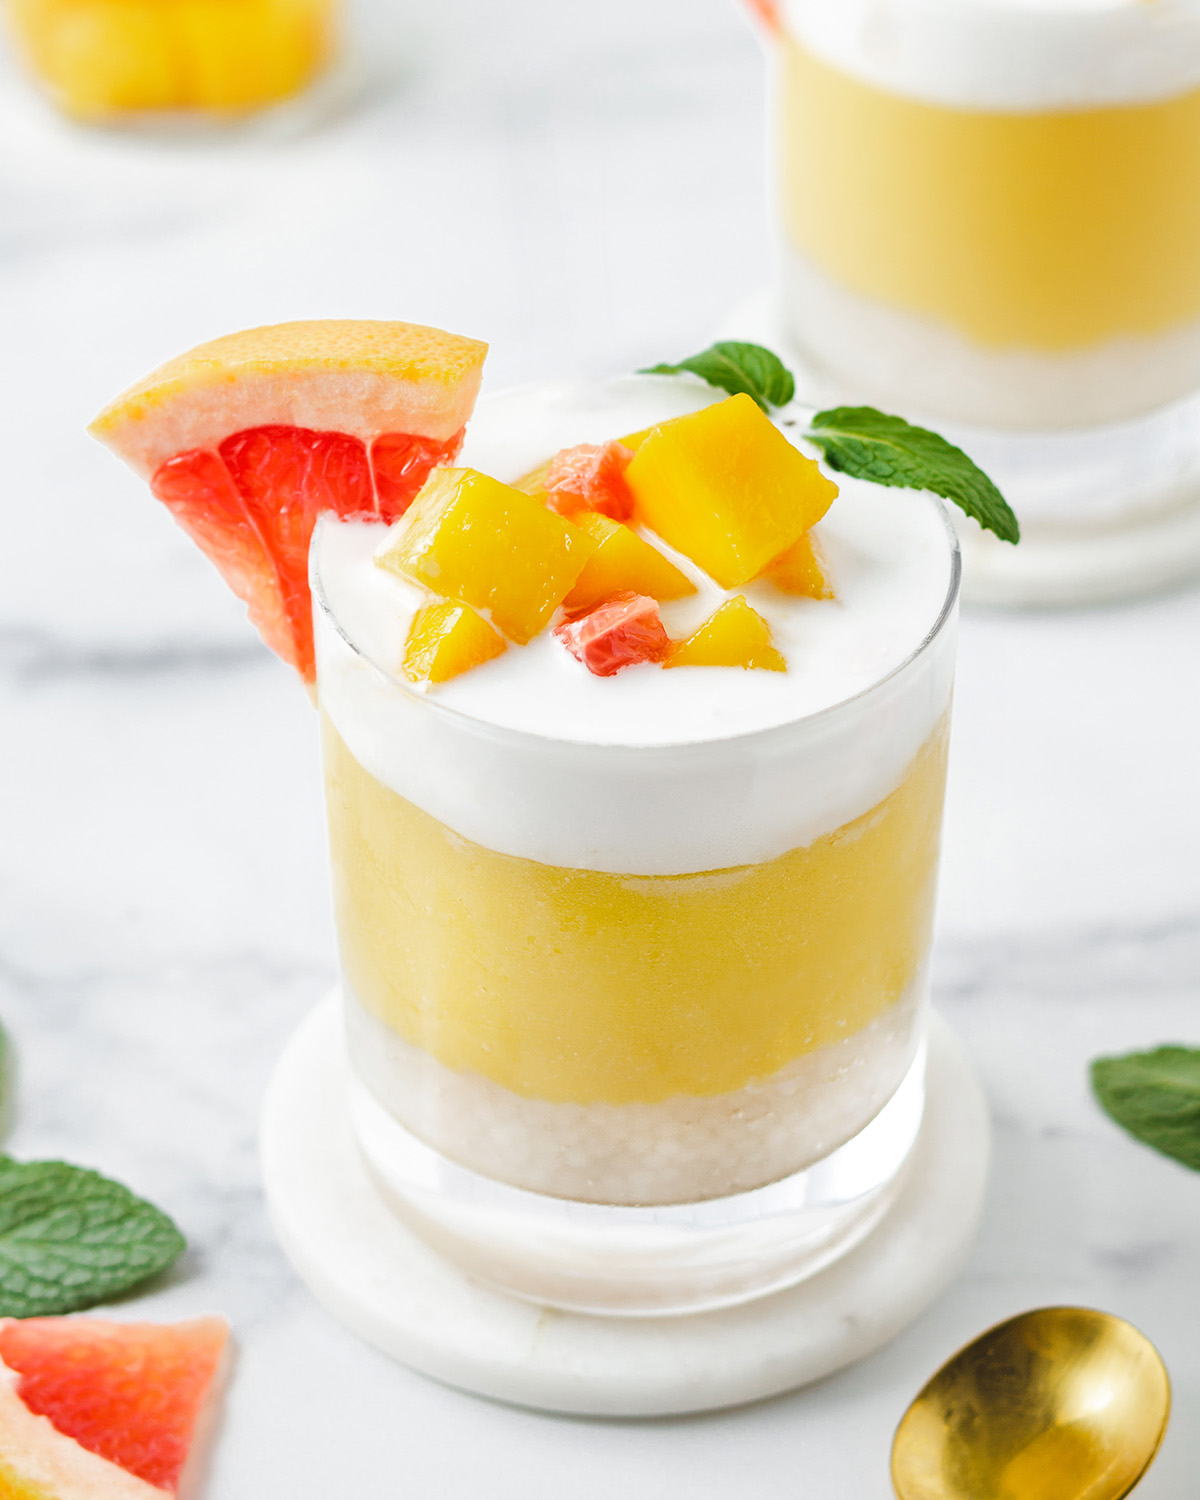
[1058, 1404]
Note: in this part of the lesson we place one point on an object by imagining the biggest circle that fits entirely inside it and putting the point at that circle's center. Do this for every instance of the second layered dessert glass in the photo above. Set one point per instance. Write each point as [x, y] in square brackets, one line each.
[635, 968]
[990, 214]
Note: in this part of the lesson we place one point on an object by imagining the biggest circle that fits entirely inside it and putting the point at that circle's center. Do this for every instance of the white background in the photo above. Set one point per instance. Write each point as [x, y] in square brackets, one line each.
[583, 186]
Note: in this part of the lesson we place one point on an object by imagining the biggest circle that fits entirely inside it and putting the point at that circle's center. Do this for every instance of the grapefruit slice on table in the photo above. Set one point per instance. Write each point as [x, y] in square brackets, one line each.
[249, 438]
[93, 1410]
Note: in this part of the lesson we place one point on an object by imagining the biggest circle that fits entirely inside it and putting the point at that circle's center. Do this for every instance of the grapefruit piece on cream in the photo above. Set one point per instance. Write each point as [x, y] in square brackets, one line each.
[590, 477]
[249, 438]
[95, 1410]
[618, 633]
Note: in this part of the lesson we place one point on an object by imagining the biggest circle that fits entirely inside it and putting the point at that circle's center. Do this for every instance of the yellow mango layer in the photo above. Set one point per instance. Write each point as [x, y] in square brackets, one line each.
[1041, 231]
[733, 636]
[726, 488]
[447, 639]
[623, 561]
[100, 57]
[569, 985]
[468, 537]
[801, 570]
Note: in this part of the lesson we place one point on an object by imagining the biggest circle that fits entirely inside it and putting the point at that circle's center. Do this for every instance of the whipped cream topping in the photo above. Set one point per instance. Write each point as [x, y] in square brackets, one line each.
[652, 771]
[1009, 55]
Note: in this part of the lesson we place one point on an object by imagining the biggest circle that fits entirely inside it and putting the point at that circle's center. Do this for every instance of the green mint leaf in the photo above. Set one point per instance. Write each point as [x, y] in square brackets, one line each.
[1155, 1096]
[868, 444]
[70, 1238]
[741, 369]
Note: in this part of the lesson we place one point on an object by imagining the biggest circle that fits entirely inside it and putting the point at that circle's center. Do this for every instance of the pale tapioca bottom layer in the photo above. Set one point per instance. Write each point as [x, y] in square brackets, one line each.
[890, 354]
[679, 1150]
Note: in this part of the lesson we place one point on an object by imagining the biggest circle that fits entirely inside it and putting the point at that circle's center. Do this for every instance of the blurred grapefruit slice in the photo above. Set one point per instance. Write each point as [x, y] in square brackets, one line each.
[94, 1410]
[249, 438]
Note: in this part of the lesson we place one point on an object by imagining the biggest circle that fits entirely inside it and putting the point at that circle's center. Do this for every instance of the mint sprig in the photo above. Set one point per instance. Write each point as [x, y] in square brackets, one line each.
[70, 1238]
[858, 440]
[741, 369]
[869, 444]
[1155, 1096]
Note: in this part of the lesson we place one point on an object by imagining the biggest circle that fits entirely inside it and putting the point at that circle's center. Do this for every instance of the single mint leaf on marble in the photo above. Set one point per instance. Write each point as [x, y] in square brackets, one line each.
[869, 444]
[70, 1238]
[741, 369]
[1155, 1096]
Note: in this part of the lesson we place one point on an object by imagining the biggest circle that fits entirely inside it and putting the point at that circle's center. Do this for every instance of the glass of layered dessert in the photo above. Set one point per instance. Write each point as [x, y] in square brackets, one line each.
[634, 735]
[634, 769]
[990, 212]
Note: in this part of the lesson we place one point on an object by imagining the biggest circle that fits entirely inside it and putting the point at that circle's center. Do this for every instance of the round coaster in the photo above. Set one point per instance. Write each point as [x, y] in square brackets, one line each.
[382, 1281]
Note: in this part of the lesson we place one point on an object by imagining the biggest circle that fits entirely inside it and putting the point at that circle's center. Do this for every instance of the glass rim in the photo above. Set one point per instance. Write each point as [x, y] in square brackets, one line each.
[507, 732]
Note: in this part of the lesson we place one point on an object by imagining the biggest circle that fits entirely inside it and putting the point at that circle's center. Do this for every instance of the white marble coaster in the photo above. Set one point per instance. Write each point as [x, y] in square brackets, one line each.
[386, 1284]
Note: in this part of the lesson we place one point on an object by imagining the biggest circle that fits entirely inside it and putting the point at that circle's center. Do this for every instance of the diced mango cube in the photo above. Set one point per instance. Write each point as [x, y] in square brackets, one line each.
[468, 537]
[534, 483]
[634, 440]
[446, 639]
[623, 562]
[104, 56]
[733, 636]
[801, 570]
[727, 489]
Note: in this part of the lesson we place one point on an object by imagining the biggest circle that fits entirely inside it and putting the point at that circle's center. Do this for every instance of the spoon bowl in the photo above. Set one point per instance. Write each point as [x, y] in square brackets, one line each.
[1058, 1404]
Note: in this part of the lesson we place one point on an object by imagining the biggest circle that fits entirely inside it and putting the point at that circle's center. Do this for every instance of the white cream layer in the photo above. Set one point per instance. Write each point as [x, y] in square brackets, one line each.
[1018, 55]
[651, 771]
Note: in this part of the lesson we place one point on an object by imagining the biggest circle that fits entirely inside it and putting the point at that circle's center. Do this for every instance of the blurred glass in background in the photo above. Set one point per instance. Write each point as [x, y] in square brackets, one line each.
[115, 61]
[989, 215]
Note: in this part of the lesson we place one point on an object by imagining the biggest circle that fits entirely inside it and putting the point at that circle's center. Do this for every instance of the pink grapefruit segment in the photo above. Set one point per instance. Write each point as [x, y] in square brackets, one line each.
[130, 1395]
[248, 439]
[251, 507]
[621, 632]
[591, 477]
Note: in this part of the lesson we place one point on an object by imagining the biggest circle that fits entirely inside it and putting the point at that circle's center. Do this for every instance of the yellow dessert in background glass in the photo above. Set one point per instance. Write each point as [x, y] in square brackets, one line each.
[651, 944]
[112, 59]
[991, 209]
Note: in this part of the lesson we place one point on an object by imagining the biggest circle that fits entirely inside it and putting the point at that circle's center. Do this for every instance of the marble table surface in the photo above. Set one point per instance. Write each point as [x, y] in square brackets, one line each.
[583, 186]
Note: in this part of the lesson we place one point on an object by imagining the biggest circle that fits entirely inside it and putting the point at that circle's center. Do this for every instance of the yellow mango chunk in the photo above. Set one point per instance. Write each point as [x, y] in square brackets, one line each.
[634, 440]
[446, 639]
[801, 570]
[623, 562]
[733, 636]
[534, 483]
[468, 537]
[726, 488]
[107, 56]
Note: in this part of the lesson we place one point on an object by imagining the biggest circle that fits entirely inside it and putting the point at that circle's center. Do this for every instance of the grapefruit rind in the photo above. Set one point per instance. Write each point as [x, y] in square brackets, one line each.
[356, 377]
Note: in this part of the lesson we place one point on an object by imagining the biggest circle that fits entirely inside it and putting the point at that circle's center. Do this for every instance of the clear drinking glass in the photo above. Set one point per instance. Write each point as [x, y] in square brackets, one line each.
[646, 1079]
[989, 216]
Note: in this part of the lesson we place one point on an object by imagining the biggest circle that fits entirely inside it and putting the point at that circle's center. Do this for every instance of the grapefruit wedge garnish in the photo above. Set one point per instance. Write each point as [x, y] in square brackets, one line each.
[248, 439]
[93, 1410]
